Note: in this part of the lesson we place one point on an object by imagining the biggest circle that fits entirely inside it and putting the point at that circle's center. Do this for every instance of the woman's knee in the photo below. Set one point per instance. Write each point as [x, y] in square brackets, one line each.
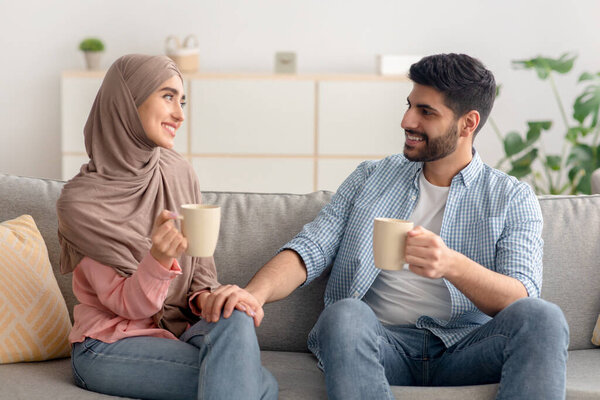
[238, 327]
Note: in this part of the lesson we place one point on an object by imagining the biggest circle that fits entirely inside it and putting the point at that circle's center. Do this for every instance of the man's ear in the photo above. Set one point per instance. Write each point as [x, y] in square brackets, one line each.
[469, 123]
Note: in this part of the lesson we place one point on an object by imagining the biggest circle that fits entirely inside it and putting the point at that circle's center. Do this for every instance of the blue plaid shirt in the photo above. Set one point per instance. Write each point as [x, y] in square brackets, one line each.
[490, 217]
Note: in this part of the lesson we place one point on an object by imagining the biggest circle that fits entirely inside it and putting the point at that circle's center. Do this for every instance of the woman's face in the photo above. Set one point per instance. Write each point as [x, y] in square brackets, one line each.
[162, 112]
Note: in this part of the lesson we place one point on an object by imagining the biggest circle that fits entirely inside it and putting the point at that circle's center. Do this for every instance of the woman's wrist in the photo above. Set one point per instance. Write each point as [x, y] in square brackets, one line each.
[201, 298]
[166, 262]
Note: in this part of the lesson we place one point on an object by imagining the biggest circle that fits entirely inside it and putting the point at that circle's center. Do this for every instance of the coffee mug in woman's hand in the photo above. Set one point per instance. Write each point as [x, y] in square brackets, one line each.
[200, 226]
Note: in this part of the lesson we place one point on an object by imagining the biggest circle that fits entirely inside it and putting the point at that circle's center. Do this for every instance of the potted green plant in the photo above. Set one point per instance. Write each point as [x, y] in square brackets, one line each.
[525, 156]
[92, 49]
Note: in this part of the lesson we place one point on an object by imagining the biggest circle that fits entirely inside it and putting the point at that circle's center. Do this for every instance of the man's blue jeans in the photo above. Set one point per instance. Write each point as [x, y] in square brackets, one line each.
[524, 348]
[211, 361]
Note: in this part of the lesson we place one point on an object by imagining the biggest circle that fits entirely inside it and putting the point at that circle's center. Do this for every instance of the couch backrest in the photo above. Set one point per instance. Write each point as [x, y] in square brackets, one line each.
[254, 226]
[572, 261]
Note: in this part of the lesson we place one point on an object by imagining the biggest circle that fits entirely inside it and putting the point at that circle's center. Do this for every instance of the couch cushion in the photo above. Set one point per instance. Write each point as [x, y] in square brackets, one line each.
[34, 321]
[297, 375]
[43, 380]
[572, 262]
[583, 367]
[299, 378]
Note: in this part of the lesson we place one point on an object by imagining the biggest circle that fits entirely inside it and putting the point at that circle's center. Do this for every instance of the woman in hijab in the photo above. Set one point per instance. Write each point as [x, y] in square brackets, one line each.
[137, 330]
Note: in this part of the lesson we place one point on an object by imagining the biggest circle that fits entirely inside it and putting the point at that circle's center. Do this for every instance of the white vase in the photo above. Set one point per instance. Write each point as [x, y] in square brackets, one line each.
[92, 59]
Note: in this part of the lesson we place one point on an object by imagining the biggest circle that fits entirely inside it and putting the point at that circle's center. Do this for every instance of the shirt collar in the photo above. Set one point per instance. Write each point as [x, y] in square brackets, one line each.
[467, 175]
[471, 171]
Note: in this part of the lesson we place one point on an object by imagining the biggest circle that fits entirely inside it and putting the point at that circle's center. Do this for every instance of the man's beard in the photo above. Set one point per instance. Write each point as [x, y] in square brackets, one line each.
[437, 148]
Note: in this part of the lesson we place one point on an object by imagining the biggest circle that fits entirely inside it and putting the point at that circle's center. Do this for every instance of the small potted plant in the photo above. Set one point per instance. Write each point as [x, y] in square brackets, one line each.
[92, 49]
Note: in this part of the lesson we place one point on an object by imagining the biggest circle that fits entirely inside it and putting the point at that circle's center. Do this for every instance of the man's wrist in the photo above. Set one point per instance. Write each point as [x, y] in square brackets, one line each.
[457, 267]
[258, 295]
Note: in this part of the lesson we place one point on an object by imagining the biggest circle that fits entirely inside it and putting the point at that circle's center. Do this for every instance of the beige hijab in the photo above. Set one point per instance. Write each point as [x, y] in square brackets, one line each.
[107, 211]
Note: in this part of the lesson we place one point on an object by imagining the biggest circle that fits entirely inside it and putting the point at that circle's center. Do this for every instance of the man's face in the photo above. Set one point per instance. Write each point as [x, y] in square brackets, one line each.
[430, 127]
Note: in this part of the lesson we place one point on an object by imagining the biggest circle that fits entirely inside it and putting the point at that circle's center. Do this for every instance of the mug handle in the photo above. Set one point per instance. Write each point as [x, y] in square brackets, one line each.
[179, 218]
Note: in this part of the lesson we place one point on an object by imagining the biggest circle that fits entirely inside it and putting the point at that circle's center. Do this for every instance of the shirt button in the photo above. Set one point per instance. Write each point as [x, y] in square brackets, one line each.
[413, 197]
[355, 294]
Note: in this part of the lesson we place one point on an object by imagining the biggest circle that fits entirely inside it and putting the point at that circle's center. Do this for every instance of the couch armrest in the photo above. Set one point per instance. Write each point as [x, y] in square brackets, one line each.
[596, 182]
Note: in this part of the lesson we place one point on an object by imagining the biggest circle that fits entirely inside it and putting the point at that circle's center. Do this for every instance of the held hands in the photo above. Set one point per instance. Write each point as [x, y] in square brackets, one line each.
[227, 298]
[427, 255]
[167, 242]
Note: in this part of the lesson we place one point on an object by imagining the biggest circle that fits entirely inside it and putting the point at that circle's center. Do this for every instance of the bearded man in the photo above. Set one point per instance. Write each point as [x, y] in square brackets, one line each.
[465, 310]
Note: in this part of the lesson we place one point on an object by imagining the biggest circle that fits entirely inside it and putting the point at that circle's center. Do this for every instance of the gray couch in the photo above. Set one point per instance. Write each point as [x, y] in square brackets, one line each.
[253, 228]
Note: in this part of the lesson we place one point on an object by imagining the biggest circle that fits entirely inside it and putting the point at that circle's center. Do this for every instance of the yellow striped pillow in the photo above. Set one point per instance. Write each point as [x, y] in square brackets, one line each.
[34, 321]
[596, 334]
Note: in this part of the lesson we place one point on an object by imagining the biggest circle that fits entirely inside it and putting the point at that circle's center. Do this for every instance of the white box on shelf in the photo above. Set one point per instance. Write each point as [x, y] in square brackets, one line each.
[392, 64]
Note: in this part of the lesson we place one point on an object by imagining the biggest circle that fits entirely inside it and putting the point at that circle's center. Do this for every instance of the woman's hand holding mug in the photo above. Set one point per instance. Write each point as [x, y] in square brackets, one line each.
[167, 241]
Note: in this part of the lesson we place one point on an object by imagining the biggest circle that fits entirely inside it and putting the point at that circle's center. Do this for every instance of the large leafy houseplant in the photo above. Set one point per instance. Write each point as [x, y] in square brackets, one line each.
[570, 171]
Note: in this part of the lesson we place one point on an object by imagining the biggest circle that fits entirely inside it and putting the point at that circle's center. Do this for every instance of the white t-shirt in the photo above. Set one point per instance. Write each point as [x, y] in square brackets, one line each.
[401, 297]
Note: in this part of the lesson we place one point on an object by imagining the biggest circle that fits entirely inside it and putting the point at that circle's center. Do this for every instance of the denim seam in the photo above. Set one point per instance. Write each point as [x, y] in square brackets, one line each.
[203, 363]
[116, 357]
[425, 359]
[383, 341]
[88, 343]
[77, 374]
[502, 372]
[482, 341]
[385, 384]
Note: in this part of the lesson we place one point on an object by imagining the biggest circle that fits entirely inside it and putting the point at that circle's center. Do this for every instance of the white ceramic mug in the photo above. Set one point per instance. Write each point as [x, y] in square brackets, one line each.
[200, 225]
[389, 242]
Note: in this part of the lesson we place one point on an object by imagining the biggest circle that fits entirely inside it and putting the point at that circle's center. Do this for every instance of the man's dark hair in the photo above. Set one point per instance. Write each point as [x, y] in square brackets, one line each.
[463, 80]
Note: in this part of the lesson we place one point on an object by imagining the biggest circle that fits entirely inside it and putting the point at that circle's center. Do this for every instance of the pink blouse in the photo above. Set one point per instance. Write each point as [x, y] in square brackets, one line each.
[113, 307]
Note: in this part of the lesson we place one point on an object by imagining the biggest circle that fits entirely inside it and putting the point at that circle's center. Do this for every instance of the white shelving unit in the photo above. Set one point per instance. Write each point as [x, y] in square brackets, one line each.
[265, 133]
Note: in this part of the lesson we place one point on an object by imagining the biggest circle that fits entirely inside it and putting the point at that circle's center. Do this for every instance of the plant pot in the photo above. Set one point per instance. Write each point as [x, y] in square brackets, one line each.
[92, 59]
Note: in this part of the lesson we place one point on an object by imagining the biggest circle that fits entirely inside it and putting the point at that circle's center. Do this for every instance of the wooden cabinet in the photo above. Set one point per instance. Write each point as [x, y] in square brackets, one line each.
[245, 116]
[265, 133]
[361, 117]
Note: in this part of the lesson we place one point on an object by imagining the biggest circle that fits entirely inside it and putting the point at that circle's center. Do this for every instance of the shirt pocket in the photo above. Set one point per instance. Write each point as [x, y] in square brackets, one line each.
[481, 239]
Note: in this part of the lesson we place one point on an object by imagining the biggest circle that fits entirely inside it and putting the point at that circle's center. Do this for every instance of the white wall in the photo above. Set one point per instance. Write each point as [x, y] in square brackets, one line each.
[39, 38]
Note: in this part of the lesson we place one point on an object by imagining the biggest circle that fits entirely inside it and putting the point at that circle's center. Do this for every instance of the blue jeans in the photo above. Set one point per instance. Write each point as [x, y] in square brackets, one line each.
[524, 347]
[211, 361]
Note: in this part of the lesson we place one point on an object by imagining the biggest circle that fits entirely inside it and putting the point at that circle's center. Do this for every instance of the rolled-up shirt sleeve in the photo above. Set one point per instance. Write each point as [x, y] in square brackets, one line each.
[318, 242]
[519, 251]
